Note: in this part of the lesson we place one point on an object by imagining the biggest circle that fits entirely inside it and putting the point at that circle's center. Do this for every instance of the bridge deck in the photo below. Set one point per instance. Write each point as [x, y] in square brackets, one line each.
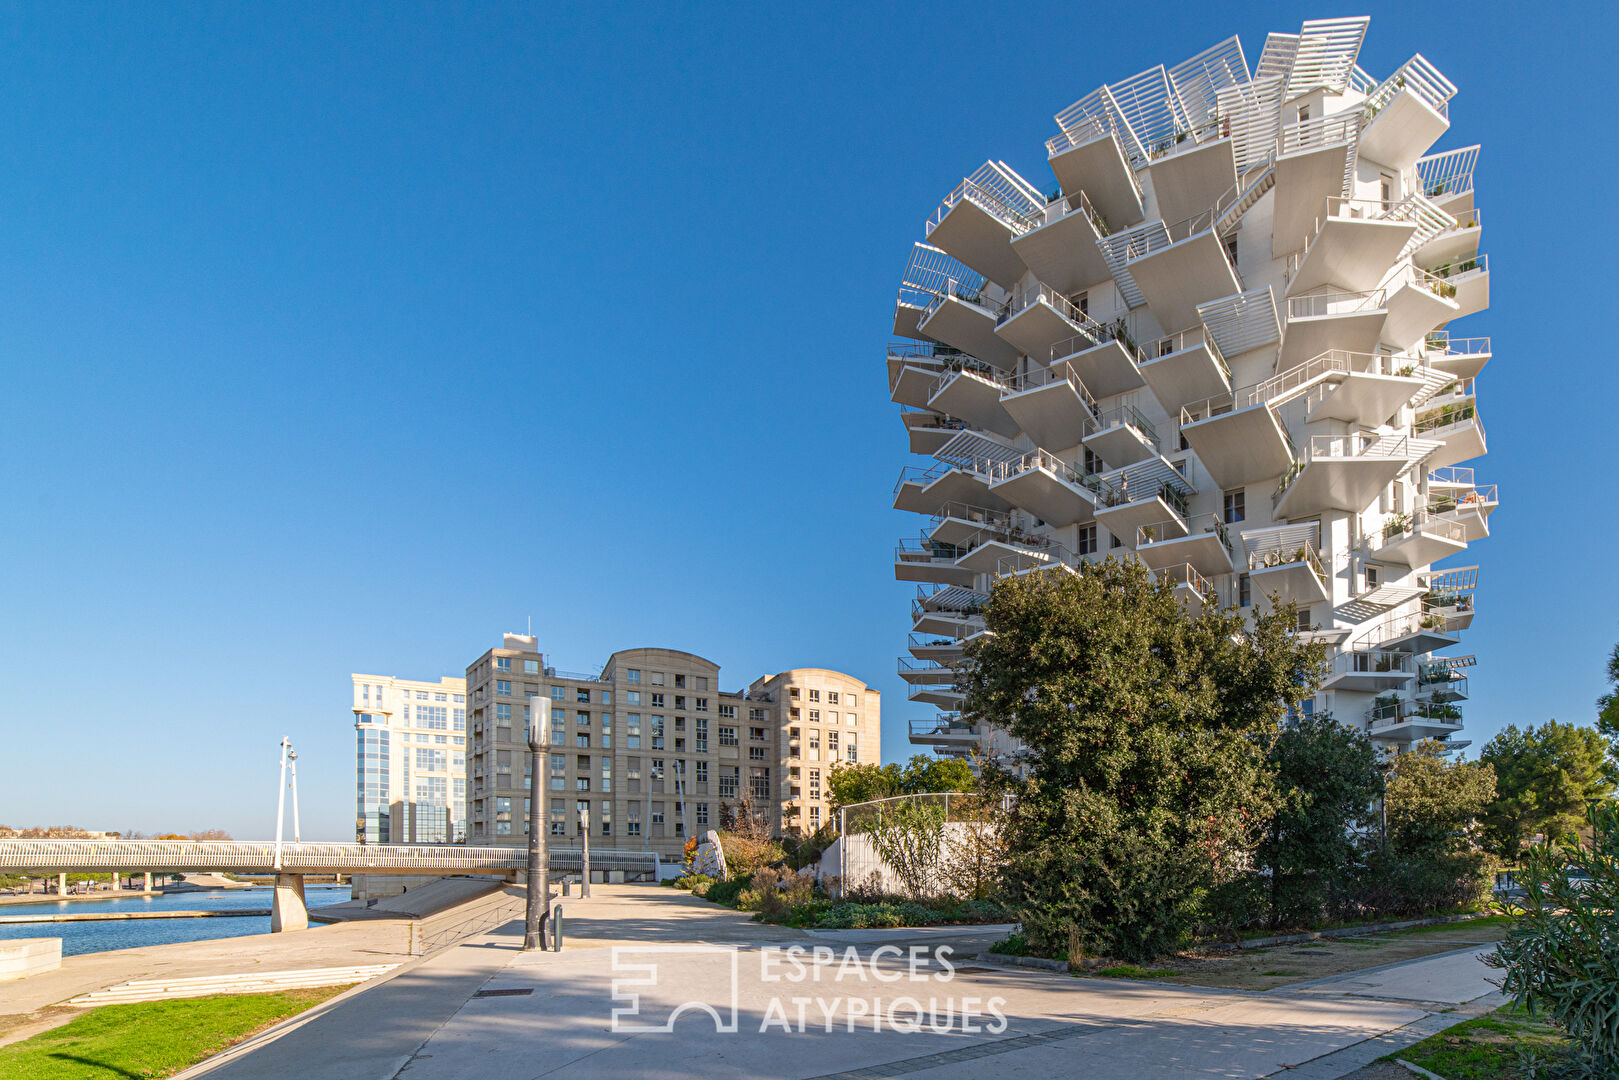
[255, 856]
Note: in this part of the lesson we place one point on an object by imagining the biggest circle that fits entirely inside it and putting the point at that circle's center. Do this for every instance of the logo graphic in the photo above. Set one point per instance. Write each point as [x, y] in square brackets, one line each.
[638, 968]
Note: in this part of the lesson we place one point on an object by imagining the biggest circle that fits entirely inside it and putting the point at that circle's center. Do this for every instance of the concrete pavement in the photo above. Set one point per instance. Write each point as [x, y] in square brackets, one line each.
[684, 968]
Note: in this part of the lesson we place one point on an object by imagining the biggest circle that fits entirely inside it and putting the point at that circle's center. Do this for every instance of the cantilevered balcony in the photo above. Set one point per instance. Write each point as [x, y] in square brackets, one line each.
[945, 730]
[913, 369]
[1316, 160]
[1284, 564]
[1087, 155]
[1364, 389]
[1104, 356]
[947, 611]
[1452, 420]
[957, 523]
[1206, 546]
[1447, 179]
[1418, 302]
[1047, 487]
[978, 220]
[1469, 282]
[926, 490]
[983, 552]
[1354, 242]
[1455, 244]
[1065, 249]
[1192, 269]
[1148, 493]
[1453, 496]
[1191, 169]
[1370, 671]
[1411, 721]
[1192, 589]
[1441, 679]
[928, 272]
[1185, 367]
[943, 648]
[928, 431]
[928, 560]
[972, 392]
[1328, 321]
[1345, 472]
[1416, 633]
[1237, 436]
[1462, 358]
[960, 315]
[1051, 405]
[1037, 317]
[1418, 539]
[1449, 600]
[930, 681]
[1124, 436]
[1406, 114]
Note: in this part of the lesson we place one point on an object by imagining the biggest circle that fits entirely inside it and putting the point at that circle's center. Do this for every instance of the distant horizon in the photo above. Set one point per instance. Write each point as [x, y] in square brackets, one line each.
[345, 340]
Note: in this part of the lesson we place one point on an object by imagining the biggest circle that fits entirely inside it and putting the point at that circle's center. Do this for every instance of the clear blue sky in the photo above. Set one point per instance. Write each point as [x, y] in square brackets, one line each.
[345, 338]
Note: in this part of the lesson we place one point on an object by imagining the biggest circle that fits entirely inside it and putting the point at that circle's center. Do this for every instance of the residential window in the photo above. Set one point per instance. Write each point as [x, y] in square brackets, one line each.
[531, 667]
[792, 692]
[757, 734]
[729, 776]
[815, 716]
[702, 772]
[632, 675]
[701, 735]
[657, 701]
[756, 753]
[1234, 505]
[680, 701]
[700, 704]
[727, 712]
[1305, 622]
[832, 744]
[582, 718]
[851, 702]
[1386, 189]
[727, 735]
[702, 813]
[815, 695]
[1374, 577]
[1093, 462]
[503, 686]
[702, 682]
[1244, 591]
[632, 821]
[582, 696]
[655, 770]
[503, 712]
[1231, 249]
[503, 663]
[756, 716]
[503, 816]
[1087, 540]
[759, 783]
[815, 818]
[815, 783]
[558, 693]
[582, 740]
[607, 697]
[632, 697]
[680, 682]
[655, 678]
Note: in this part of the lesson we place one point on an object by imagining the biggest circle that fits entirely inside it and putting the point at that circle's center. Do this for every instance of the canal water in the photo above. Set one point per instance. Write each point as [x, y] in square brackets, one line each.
[101, 936]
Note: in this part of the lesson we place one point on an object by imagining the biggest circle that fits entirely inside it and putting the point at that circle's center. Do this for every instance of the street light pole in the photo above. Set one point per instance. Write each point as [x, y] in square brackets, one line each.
[539, 879]
[584, 853]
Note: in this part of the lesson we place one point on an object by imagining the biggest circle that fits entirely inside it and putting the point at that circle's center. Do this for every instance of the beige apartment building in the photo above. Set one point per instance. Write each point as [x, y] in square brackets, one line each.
[410, 779]
[650, 749]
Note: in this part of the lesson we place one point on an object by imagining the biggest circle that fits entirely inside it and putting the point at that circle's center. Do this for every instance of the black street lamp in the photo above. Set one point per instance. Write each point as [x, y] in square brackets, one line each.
[539, 878]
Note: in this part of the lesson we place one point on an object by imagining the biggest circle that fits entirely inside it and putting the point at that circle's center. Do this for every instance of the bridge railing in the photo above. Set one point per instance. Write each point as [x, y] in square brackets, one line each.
[92, 856]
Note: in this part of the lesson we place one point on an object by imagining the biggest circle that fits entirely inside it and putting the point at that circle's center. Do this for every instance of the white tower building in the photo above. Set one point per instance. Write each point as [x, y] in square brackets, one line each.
[1222, 345]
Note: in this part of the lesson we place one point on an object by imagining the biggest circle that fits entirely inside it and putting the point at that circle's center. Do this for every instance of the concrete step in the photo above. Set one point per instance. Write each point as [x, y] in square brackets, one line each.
[242, 983]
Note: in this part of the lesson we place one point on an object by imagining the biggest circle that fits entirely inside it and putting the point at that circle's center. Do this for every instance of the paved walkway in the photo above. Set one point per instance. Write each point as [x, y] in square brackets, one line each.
[484, 1009]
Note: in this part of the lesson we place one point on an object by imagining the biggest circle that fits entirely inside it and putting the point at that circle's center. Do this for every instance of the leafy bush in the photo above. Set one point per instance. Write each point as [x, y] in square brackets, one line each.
[728, 892]
[692, 882]
[1559, 954]
[1011, 945]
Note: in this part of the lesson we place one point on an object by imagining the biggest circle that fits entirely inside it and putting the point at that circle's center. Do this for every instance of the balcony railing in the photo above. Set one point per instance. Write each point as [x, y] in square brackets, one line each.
[1446, 416]
[1024, 299]
[920, 474]
[1188, 575]
[1452, 475]
[1422, 79]
[1373, 662]
[966, 292]
[1320, 132]
[1278, 388]
[1461, 270]
[1078, 203]
[1274, 554]
[1441, 176]
[1357, 445]
[1319, 305]
[1402, 526]
[1186, 339]
[1164, 531]
[1047, 462]
[1062, 371]
[1385, 714]
[1474, 498]
[1093, 334]
[999, 195]
[1398, 627]
[1440, 342]
[975, 367]
[1130, 416]
[961, 511]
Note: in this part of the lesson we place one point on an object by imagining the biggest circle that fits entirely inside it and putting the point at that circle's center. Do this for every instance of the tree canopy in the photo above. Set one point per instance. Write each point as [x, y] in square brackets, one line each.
[1608, 718]
[856, 783]
[1544, 777]
[1148, 734]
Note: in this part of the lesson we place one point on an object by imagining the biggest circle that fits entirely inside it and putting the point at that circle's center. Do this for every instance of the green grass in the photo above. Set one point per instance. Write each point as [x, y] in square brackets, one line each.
[150, 1039]
[1487, 1048]
[1131, 971]
[1480, 923]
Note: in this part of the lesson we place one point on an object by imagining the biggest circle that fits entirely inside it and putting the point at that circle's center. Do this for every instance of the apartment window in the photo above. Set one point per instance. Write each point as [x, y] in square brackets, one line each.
[1231, 250]
[657, 701]
[700, 704]
[815, 783]
[1374, 577]
[503, 663]
[680, 682]
[558, 693]
[441, 697]
[756, 716]
[531, 667]
[702, 682]
[815, 716]
[503, 687]
[582, 719]
[832, 743]
[632, 697]
[1113, 541]
[1087, 540]
[680, 701]
[853, 751]
[503, 816]
[815, 818]
[851, 702]
[559, 763]
[582, 740]
[831, 697]
[655, 678]
[756, 733]
[632, 821]
[1234, 505]
[655, 770]
[702, 813]
[1386, 189]
[756, 753]
[632, 675]
[702, 772]
[702, 735]
[460, 720]
[1245, 594]
[759, 783]
[1094, 462]
[727, 735]
[607, 818]
[1304, 113]
[729, 777]
[727, 712]
[815, 695]
[657, 814]
[1305, 622]
[503, 712]
[814, 740]
[582, 696]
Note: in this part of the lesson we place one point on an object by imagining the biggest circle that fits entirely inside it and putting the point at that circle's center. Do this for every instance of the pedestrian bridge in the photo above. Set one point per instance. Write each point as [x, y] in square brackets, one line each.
[291, 861]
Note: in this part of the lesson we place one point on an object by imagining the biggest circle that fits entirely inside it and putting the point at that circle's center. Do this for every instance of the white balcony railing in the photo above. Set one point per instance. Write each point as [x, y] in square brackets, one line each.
[1274, 554]
[1187, 339]
[1332, 304]
[1165, 531]
[1059, 372]
[1000, 193]
[1422, 79]
[1354, 446]
[1320, 132]
[1446, 175]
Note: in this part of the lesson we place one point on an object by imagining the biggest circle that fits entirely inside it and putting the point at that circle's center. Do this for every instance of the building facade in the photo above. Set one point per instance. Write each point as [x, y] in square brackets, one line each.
[1222, 346]
[650, 749]
[410, 760]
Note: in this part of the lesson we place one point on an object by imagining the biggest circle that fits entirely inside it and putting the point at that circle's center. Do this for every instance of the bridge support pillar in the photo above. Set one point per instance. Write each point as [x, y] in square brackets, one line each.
[148, 887]
[287, 910]
[61, 884]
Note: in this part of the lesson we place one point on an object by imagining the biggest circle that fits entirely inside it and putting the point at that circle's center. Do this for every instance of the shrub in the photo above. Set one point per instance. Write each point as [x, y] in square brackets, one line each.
[692, 882]
[1011, 945]
[728, 892]
[1559, 954]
